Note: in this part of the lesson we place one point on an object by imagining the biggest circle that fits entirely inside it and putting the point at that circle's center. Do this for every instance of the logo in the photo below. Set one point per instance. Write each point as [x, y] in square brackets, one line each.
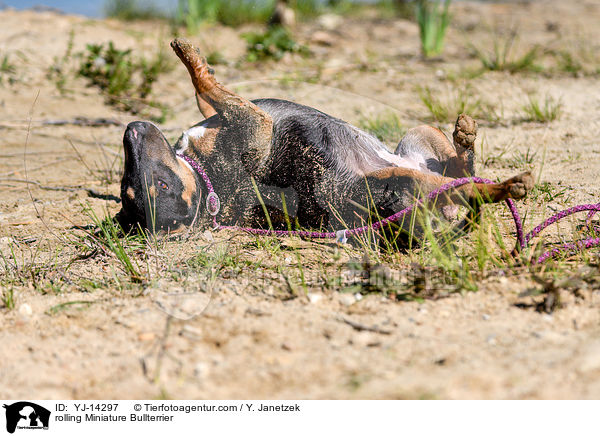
[26, 415]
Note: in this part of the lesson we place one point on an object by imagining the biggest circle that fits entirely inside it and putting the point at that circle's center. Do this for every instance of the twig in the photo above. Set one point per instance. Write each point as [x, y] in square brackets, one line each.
[77, 121]
[84, 121]
[91, 191]
[361, 327]
[10, 173]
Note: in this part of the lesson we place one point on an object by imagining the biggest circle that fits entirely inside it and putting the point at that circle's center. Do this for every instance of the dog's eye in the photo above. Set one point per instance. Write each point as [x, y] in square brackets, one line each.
[162, 185]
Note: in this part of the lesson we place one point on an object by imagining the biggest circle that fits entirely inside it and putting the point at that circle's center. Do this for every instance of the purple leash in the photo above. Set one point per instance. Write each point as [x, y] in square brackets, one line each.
[213, 206]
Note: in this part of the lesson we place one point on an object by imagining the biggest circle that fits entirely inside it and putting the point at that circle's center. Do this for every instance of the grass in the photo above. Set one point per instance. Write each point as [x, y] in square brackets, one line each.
[8, 299]
[433, 18]
[133, 10]
[7, 70]
[503, 57]
[546, 111]
[193, 13]
[59, 70]
[579, 61]
[547, 192]
[386, 127]
[126, 81]
[445, 107]
[395, 8]
[523, 160]
[440, 264]
[111, 239]
[273, 44]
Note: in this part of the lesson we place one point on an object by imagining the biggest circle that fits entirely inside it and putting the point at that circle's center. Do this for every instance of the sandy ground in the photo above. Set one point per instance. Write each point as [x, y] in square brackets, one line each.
[253, 340]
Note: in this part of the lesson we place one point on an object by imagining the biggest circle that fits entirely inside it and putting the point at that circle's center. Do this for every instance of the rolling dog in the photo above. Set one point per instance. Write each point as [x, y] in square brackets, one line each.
[287, 161]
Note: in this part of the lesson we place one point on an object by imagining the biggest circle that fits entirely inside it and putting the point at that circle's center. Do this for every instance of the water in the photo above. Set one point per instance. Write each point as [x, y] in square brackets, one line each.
[90, 8]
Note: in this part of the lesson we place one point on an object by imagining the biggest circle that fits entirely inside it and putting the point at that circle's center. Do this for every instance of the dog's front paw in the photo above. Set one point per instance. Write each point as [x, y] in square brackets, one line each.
[465, 132]
[520, 185]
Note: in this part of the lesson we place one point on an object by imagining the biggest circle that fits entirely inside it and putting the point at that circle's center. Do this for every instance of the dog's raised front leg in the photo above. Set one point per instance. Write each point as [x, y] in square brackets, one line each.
[247, 129]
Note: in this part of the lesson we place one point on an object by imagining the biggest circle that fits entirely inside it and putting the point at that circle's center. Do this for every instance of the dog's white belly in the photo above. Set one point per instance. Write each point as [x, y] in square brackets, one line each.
[412, 161]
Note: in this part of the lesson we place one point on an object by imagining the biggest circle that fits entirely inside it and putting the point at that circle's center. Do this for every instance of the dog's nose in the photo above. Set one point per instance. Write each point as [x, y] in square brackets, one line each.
[135, 131]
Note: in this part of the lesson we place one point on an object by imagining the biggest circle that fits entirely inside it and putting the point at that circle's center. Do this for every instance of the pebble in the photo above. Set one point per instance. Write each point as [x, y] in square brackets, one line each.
[25, 310]
[201, 370]
[485, 317]
[347, 299]
[491, 339]
[330, 21]
[314, 298]
[146, 336]
[547, 317]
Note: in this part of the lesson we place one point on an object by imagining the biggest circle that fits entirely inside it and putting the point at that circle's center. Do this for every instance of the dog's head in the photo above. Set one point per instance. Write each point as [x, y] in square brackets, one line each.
[159, 191]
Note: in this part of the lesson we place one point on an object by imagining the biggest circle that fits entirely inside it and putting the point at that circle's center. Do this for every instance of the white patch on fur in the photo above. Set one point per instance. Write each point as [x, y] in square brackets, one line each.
[360, 153]
[413, 162]
[197, 132]
[194, 132]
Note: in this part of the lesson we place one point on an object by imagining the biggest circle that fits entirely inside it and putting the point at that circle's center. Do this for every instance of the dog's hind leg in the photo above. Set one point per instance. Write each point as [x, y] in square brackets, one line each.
[247, 129]
[399, 186]
[398, 179]
[451, 160]
[465, 133]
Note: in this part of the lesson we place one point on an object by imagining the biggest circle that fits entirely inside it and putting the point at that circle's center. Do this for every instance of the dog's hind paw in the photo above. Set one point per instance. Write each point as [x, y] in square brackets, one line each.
[200, 71]
[520, 185]
[465, 132]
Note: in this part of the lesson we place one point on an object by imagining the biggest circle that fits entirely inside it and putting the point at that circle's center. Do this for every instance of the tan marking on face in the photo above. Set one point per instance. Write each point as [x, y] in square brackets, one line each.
[188, 180]
[152, 191]
[130, 193]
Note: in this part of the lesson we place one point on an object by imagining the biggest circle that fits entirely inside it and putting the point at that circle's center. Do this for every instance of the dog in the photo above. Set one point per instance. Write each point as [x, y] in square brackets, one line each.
[277, 163]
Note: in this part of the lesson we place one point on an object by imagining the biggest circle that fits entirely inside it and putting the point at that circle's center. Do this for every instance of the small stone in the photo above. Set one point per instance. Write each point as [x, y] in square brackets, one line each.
[314, 298]
[146, 336]
[491, 339]
[547, 317]
[201, 369]
[330, 21]
[25, 310]
[485, 317]
[347, 299]
[358, 296]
